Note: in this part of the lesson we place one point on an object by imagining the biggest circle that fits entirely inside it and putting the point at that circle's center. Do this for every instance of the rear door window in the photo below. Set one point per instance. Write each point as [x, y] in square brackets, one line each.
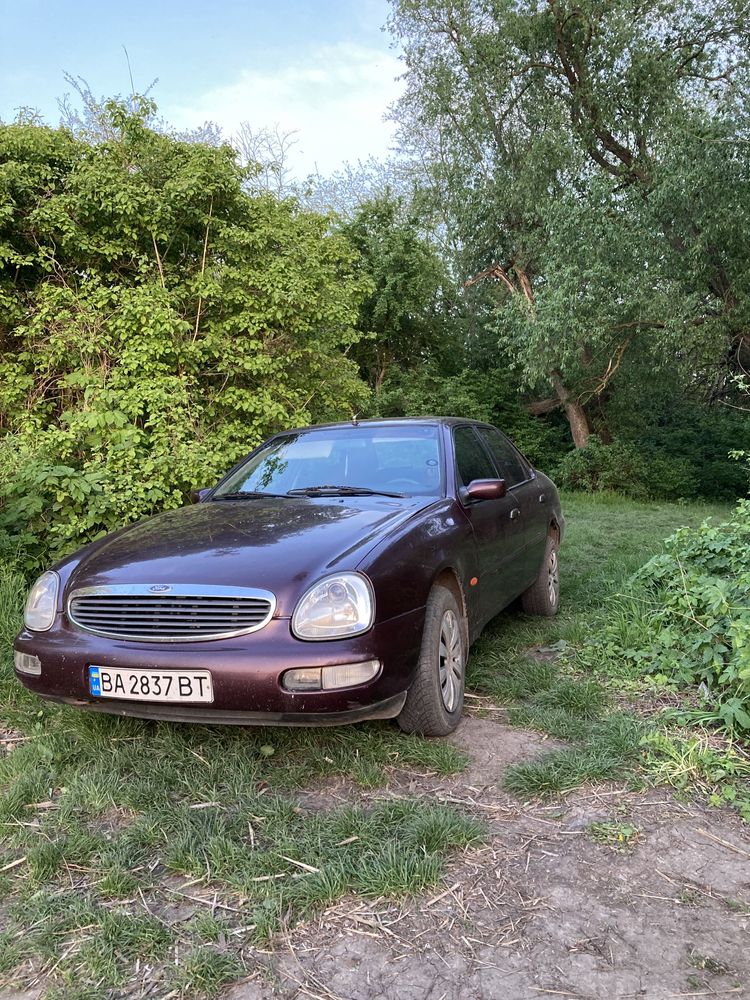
[510, 465]
[472, 461]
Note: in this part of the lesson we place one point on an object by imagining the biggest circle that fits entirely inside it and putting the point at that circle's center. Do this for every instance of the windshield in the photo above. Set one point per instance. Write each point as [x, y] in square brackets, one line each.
[396, 460]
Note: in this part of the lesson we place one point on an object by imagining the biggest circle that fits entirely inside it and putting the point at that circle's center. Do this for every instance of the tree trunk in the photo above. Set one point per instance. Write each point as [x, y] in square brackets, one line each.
[574, 411]
[604, 433]
[601, 427]
[380, 375]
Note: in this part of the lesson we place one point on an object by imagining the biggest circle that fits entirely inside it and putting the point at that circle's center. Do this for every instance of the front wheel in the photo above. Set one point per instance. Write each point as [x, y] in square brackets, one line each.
[435, 700]
[543, 596]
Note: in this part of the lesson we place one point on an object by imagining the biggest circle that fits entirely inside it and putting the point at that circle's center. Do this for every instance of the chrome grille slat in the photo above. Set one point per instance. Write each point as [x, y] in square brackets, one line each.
[172, 609]
[125, 616]
[184, 612]
[171, 612]
[125, 607]
[156, 627]
[126, 602]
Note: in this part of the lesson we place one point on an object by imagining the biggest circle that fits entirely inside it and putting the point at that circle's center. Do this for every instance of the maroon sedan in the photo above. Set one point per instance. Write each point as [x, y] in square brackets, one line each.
[338, 573]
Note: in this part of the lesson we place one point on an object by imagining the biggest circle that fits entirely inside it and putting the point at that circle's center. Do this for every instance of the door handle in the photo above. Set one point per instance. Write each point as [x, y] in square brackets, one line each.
[542, 498]
[516, 512]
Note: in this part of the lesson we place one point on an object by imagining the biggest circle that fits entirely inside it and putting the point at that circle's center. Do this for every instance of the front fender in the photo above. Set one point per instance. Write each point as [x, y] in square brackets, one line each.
[403, 567]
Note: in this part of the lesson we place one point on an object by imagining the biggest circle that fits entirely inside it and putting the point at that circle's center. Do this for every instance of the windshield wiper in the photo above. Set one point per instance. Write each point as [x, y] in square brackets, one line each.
[247, 494]
[344, 491]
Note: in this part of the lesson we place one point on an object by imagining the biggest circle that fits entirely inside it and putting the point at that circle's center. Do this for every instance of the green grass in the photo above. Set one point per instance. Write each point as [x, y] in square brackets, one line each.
[269, 862]
[696, 758]
[207, 970]
[609, 749]
[119, 820]
[104, 837]
[607, 539]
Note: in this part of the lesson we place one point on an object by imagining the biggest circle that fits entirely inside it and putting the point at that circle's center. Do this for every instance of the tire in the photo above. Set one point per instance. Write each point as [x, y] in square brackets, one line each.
[543, 596]
[435, 700]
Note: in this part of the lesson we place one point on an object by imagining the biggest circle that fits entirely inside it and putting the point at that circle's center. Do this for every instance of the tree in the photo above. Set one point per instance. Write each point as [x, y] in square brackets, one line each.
[345, 190]
[157, 322]
[410, 312]
[90, 119]
[593, 159]
[265, 152]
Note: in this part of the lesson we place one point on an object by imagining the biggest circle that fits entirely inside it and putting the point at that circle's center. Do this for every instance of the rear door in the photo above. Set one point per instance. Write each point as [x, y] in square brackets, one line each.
[528, 499]
[496, 525]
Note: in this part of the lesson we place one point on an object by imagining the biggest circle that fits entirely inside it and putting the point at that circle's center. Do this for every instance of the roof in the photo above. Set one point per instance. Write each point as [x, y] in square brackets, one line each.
[391, 421]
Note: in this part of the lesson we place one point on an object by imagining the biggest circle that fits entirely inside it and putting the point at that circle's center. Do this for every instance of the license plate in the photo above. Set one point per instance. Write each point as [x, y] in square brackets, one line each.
[150, 685]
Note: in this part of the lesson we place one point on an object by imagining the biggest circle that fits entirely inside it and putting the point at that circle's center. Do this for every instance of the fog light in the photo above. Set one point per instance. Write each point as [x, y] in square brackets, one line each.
[349, 674]
[330, 678]
[27, 664]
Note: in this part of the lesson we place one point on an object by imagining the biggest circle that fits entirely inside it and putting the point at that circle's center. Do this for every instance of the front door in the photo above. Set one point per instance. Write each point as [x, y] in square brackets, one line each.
[529, 502]
[496, 525]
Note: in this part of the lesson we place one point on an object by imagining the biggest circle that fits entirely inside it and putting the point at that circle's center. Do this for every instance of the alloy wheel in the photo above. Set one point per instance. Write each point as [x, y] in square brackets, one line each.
[553, 578]
[451, 660]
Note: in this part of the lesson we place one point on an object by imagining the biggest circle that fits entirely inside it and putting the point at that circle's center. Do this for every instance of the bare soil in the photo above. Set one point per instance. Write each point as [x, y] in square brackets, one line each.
[538, 910]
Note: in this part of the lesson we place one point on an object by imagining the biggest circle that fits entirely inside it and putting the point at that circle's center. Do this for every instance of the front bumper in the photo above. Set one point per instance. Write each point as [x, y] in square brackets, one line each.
[245, 672]
[387, 709]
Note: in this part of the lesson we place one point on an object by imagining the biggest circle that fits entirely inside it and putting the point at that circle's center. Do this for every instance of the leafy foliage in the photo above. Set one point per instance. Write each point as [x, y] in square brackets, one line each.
[591, 163]
[624, 467]
[691, 603]
[702, 584]
[694, 758]
[157, 322]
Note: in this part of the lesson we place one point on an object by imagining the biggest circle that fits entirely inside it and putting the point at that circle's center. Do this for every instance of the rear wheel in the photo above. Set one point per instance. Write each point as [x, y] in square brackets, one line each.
[543, 596]
[435, 700]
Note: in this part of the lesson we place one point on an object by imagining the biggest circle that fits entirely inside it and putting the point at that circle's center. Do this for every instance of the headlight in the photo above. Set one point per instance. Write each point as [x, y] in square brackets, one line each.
[335, 607]
[41, 604]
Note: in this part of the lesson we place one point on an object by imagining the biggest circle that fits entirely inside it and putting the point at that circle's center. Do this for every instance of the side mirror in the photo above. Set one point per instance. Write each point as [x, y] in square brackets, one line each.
[198, 496]
[485, 489]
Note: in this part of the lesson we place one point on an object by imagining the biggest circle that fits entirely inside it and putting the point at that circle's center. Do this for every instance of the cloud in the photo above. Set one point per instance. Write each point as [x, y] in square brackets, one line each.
[334, 98]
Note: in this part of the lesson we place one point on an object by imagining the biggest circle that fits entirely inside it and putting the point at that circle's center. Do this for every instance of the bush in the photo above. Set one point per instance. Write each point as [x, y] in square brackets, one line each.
[159, 321]
[694, 618]
[626, 467]
[702, 439]
[657, 415]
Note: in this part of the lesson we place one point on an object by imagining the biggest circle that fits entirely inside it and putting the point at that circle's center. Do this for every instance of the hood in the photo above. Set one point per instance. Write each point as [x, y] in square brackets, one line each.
[281, 545]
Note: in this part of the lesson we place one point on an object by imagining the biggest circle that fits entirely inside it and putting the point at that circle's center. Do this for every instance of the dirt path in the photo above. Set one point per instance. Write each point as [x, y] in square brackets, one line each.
[539, 910]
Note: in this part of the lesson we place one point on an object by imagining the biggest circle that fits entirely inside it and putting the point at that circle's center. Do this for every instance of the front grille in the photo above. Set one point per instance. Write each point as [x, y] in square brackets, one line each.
[179, 614]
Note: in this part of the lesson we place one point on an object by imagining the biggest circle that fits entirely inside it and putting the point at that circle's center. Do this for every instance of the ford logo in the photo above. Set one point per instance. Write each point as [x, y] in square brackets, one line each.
[160, 588]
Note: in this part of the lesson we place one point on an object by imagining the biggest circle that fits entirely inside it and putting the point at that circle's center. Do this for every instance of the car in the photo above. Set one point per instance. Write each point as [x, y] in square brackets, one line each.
[338, 573]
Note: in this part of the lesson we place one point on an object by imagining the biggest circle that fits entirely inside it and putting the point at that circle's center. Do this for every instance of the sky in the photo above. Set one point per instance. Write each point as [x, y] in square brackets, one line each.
[322, 68]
